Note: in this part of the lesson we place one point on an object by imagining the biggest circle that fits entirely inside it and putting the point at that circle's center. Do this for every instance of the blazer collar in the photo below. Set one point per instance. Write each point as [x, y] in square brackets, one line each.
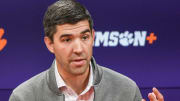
[97, 72]
[51, 79]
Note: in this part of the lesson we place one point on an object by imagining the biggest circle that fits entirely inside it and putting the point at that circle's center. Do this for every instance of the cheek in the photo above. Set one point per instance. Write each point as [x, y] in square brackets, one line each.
[61, 51]
[91, 44]
[89, 47]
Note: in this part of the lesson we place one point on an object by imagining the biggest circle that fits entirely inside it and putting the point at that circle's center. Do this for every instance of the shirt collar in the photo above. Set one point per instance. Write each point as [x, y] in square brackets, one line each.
[59, 80]
[61, 83]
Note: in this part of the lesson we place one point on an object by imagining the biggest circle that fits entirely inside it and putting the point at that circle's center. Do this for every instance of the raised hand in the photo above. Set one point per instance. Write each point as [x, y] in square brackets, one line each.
[155, 95]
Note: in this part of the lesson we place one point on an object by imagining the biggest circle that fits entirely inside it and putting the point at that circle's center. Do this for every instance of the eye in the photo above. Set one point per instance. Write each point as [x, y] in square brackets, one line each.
[66, 40]
[85, 37]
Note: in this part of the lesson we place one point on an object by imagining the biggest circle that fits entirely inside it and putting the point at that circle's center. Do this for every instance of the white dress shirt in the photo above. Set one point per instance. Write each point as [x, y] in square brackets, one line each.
[70, 94]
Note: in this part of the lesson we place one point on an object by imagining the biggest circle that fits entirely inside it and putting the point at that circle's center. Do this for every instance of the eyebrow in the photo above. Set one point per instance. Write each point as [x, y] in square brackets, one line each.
[67, 35]
[85, 31]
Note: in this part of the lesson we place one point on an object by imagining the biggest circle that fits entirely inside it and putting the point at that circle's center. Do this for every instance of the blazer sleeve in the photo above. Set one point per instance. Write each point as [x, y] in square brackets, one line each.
[138, 96]
[13, 97]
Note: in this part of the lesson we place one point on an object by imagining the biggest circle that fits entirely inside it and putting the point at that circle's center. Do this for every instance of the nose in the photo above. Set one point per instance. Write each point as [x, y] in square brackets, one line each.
[77, 47]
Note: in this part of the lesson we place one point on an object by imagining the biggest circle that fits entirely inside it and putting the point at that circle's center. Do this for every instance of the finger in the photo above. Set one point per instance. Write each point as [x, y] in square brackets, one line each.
[143, 100]
[152, 97]
[158, 94]
[1, 32]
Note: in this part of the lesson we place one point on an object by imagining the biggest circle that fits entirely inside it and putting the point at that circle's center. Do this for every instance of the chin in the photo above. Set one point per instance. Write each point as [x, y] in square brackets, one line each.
[79, 70]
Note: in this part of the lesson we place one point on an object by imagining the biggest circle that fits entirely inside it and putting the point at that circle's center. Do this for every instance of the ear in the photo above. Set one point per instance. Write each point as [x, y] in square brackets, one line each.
[93, 34]
[49, 44]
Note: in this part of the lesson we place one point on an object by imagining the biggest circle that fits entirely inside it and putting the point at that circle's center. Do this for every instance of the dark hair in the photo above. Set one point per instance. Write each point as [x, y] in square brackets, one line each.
[62, 12]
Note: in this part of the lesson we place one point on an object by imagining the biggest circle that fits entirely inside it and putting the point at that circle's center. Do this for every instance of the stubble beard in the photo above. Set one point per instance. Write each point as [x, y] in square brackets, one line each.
[79, 70]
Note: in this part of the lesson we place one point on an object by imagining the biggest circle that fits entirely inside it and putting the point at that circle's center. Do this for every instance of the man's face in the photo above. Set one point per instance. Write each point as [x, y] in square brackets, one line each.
[72, 47]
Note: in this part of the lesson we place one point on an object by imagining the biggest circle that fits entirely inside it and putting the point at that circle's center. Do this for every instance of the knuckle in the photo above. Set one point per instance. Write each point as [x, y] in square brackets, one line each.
[161, 98]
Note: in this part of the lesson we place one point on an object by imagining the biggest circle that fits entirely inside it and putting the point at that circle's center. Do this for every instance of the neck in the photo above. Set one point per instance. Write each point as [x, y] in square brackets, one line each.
[77, 82]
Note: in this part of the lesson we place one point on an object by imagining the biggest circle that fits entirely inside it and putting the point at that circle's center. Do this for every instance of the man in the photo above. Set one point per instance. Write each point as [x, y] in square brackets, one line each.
[74, 74]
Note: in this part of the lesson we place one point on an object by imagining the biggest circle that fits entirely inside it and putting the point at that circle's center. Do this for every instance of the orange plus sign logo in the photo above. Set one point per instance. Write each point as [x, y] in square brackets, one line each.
[3, 42]
[151, 38]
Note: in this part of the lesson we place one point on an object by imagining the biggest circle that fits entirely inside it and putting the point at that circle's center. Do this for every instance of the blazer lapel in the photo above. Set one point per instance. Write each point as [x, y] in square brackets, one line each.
[51, 80]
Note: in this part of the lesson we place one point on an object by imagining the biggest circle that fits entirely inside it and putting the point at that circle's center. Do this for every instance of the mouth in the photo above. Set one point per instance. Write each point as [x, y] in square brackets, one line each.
[78, 62]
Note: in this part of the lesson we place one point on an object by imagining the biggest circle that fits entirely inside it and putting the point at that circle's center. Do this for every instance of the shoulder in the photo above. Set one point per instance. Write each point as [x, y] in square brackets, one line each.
[33, 82]
[114, 83]
[30, 87]
[114, 78]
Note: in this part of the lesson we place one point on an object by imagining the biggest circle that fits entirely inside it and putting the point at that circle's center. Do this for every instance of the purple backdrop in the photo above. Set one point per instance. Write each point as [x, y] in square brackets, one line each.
[157, 65]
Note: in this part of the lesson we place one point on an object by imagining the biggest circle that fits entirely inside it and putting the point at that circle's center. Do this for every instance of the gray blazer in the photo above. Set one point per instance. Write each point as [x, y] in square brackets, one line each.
[108, 86]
